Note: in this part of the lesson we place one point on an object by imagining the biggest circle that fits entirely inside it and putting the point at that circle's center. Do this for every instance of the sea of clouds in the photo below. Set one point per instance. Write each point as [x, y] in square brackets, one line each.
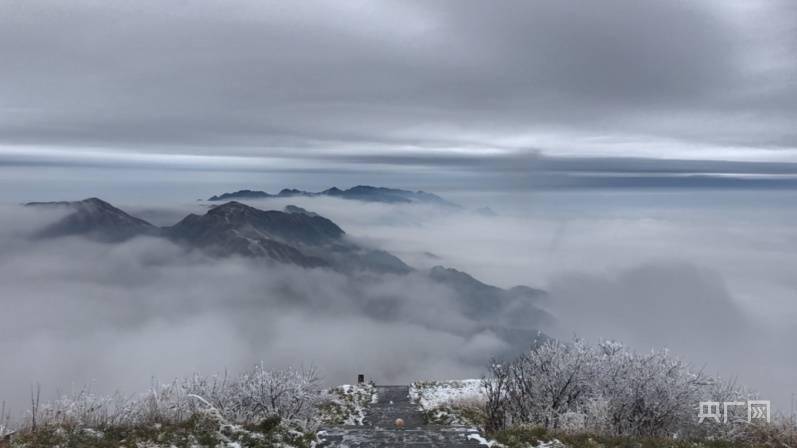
[709, 279]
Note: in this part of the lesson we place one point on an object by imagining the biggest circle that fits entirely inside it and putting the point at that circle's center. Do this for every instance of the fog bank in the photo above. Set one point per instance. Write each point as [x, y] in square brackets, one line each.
[708, 277]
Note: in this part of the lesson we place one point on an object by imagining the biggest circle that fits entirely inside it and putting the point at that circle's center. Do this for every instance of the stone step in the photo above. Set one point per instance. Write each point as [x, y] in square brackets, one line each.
[361, 437]
[393, 402]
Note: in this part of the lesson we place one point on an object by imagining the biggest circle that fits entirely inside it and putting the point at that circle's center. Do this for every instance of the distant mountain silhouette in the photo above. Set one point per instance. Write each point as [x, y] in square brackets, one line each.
[95, 219]
[296, 236]
[517, 305]
[365, 193]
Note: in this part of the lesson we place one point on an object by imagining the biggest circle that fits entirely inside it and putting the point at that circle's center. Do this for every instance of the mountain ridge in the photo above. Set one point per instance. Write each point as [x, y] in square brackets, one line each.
[293, 235]
[235, 228]
[366, 193]
[95, 218]
[299, 237]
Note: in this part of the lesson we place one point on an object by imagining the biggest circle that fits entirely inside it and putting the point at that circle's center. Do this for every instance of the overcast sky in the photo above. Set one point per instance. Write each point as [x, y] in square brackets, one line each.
[405, 85]
[144, 101]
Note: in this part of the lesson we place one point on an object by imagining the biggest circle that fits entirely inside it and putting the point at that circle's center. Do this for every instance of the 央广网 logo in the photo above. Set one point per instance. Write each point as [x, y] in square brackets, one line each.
[757, 410]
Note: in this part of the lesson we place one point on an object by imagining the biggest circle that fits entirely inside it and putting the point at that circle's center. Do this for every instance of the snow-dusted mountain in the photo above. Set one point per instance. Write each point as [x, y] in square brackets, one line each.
[96, 219]
[234, 228]
[300, 237]
[294, 236]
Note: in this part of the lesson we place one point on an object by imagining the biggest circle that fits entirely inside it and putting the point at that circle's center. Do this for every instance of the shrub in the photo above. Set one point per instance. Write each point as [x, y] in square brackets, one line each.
[604, 389]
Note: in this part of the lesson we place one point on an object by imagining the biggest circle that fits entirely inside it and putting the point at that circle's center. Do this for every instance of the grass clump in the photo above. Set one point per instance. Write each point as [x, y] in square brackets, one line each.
[345, 405]
[456, 412]
[197, 431]
[523, 436]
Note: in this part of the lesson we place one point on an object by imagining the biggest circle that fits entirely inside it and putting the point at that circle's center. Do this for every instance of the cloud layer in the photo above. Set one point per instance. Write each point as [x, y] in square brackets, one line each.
[708, 277]
[116, 315]
[707, 79]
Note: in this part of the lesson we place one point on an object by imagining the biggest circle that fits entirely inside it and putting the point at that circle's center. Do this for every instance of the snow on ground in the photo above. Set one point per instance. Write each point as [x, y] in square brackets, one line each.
[482, 440]
[433, 394]
[551, 444]
[492, 443]
[346, 404]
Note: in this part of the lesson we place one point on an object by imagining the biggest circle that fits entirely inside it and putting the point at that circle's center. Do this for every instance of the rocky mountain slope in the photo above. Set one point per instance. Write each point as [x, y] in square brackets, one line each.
[96, 219]
[300, 237]
[234, 228]
[294, 236]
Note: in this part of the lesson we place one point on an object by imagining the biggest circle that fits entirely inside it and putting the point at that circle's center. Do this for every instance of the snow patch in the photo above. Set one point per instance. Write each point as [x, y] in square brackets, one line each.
[433, 394]
[482, 440]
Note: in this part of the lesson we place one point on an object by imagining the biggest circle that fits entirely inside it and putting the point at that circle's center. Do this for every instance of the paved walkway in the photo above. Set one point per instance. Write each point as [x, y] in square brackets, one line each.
[379, 429]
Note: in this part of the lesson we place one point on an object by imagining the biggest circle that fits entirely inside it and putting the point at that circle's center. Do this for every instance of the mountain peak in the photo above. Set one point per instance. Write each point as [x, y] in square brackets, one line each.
[95, 218]
[94, 200]
[241, 194]
[229, 207]
[366, 188]
[83, 202]
[364, 193]
[236, 228]
[252, 222]
[293, 192]
[97, 205]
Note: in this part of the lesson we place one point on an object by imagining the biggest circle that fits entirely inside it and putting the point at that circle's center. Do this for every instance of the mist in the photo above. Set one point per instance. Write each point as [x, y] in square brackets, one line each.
[653, 270]
[115, 316]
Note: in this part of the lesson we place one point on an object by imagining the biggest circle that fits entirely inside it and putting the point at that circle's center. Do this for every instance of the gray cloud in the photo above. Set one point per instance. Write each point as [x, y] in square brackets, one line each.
[155, 103]
[670, 304]
[690, 79]
[706, 274]
[688, 310]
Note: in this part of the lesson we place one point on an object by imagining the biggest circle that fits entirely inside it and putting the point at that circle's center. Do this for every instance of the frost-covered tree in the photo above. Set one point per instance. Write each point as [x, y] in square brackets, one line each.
[495, 389]
[604, 388]
[287, 394]
[649, 394]
[548, 381]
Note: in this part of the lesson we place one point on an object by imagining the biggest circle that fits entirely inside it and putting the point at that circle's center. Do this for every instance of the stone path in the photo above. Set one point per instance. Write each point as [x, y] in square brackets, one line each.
[379, 429]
